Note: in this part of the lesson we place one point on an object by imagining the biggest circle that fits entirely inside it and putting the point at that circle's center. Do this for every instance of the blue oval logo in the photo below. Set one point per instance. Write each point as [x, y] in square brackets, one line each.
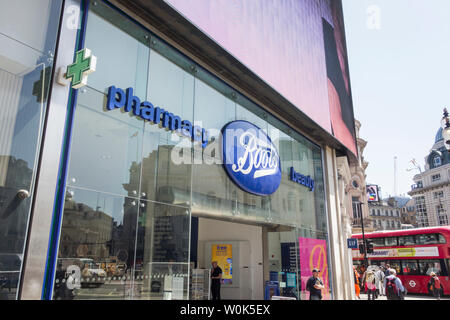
[250, 158]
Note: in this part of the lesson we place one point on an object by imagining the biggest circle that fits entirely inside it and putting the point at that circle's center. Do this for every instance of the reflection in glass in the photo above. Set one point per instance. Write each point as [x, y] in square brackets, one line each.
[128, 55]
[213, 193]
[212, 110]
[97, 247]
[162, 252]
[106, 149]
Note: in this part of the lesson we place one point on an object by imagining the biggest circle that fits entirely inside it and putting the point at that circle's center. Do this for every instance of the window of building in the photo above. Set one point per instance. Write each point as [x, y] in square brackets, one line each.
[356, 208]
[443, 219]
[441, 215]
[437, 161]
[438, 194]
[378, 212]
[436, 177]
[421, 212]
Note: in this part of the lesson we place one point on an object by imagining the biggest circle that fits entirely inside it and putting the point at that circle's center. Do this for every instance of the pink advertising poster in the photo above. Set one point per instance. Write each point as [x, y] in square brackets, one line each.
[313, 254]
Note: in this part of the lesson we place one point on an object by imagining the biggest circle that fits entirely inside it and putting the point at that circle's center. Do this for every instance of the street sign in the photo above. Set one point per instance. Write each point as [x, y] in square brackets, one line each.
[352, 243]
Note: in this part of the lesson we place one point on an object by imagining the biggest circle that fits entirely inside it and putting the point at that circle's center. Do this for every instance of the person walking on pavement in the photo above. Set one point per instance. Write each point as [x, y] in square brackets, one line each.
[356, 281]
[315, 286]
[434, 285]
[379, 282]
[386, 270]
[394, 287]
[369, 284]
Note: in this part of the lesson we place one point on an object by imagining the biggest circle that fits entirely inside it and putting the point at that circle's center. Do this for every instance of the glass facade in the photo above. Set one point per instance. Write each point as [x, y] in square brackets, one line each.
[134, 186]
[27, 46]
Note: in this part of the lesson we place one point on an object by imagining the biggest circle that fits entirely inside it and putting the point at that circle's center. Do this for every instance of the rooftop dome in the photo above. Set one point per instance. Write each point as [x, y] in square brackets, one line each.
[438, 136]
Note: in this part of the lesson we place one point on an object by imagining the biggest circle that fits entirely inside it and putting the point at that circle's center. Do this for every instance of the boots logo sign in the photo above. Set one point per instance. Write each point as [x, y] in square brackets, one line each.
[250, 158]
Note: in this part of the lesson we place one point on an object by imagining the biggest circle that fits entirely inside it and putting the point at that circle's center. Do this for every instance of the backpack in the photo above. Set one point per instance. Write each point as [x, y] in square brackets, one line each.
[437, 283]
[391, 288]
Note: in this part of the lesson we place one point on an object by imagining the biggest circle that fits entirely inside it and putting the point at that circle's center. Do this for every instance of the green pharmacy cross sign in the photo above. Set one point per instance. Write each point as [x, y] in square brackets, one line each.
[85, 63]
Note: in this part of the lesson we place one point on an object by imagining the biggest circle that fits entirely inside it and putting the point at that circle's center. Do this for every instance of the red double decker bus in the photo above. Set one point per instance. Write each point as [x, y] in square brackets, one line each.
[413, 253]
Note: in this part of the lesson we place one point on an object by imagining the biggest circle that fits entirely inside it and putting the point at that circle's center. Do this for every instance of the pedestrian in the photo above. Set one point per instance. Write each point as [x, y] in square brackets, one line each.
[394, 287]
[386, 270]
[434, 285]
[369, 284]
[315, 286]
[356, 282]
[362, 269]
[379, 282]
[216, 280]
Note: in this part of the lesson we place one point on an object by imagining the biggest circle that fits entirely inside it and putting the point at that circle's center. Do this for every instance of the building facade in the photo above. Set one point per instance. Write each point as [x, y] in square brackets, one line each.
[386, 214]
[356, 189]
[409, 214]
[431, 189]
[142, 140]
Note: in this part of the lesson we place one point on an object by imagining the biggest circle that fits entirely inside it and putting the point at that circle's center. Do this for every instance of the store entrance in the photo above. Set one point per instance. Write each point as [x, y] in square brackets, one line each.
[282, 275]
[238, 249]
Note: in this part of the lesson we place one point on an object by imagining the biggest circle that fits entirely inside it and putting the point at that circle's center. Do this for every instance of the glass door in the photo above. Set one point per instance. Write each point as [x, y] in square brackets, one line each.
[27, 43]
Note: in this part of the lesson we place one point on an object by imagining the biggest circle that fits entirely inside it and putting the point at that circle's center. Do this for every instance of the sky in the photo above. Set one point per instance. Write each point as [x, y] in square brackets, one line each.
[399, 59]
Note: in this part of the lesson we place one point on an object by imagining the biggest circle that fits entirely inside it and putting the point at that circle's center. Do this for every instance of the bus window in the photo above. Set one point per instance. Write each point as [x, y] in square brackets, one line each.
[441, 238]
[378, 242]
[406, 241]
[426, 239]
[391, 241]
[394, 264]
[428, 266]
[410, 267]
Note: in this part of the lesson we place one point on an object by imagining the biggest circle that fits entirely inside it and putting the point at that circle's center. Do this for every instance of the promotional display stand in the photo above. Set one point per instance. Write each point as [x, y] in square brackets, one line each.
[200, 284]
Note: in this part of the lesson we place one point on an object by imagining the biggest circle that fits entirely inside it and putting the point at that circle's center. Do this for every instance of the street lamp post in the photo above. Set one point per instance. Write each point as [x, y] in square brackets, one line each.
[366, 263]
[445, 124]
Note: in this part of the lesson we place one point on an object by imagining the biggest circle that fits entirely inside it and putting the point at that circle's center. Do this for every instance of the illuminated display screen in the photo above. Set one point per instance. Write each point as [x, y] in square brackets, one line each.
[223, 254]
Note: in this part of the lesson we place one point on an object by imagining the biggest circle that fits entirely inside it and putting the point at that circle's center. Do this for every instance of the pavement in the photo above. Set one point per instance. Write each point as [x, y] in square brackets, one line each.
[408, 297]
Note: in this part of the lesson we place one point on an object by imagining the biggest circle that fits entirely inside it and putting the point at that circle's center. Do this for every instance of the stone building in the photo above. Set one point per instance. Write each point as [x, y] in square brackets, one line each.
[431, 189]
[386, 214]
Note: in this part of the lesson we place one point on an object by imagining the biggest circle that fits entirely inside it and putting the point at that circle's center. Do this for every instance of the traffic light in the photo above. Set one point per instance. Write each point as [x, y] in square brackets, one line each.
[369, 246]
[361, 248]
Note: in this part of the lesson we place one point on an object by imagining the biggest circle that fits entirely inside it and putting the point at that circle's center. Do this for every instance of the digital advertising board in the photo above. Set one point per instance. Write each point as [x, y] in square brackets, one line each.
[296, 47]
